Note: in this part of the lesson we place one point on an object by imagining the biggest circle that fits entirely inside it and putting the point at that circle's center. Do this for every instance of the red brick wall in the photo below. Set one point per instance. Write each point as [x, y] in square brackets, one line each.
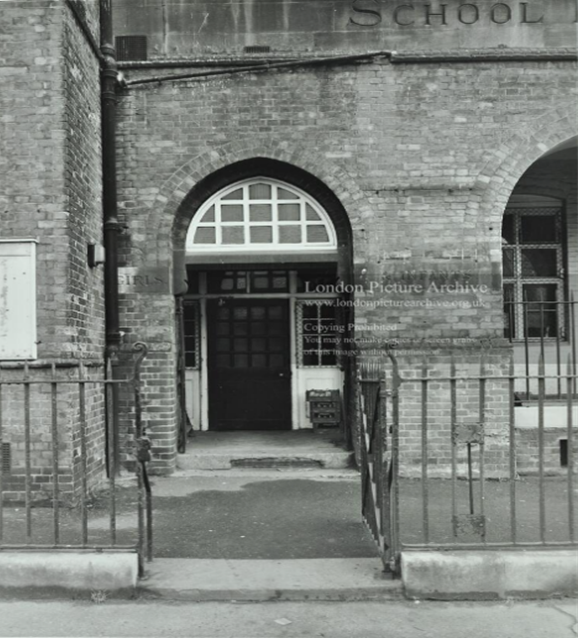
[32, 153]
[528, 454]
[493, 413]
[83, 190]
[423, 158]
[45, 448]
[50, 189]
[50, 181]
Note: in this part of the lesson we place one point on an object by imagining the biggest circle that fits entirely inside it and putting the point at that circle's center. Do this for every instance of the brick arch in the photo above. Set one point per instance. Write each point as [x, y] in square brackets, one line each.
[555, 192]
[169, 201]
[272, 169]
[515, 156]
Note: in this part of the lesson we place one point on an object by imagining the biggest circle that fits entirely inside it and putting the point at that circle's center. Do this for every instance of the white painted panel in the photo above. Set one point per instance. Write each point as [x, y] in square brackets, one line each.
[555, 416]
[17, 300]
[550, 381]
[314, 379]
[193, 396]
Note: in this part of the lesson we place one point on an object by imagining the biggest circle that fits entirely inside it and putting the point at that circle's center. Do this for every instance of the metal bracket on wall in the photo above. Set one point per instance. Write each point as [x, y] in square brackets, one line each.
[468, 433]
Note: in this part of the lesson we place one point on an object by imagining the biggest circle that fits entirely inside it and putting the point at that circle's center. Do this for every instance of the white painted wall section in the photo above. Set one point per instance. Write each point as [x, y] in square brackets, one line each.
[17, 299]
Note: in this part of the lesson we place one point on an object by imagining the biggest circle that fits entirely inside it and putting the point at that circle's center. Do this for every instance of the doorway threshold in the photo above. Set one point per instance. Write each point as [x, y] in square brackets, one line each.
[338, 579]
[264, 450]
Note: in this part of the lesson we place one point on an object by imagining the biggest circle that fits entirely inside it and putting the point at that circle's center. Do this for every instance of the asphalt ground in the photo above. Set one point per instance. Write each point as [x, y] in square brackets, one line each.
[238, 518]
[295, 514]
[224, 515]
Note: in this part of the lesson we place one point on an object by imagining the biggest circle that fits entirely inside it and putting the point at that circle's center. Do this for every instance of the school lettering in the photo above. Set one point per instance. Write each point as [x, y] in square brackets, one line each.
[371, 13]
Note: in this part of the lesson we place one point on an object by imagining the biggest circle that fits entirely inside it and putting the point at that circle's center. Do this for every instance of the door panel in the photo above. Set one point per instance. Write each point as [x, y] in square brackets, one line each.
[249, 364]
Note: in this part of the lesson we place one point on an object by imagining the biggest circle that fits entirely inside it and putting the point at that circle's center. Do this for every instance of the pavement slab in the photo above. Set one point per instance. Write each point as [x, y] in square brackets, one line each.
[389, 619]
[263, 580]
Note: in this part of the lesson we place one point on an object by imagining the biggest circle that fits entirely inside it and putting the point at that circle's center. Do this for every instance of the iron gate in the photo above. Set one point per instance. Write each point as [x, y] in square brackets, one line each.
[56, 438]
[377, 445]
[471, 473]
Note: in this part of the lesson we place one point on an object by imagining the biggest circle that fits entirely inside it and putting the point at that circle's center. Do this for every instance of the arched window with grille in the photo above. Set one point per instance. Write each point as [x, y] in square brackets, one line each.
[261, 215]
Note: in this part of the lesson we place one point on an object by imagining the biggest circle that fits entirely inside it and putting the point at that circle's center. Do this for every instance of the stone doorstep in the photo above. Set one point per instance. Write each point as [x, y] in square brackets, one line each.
[268, 459]
[266, 580]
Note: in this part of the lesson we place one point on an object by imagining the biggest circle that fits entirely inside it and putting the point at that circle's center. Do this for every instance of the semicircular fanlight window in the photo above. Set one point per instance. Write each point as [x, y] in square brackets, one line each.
[261, 215]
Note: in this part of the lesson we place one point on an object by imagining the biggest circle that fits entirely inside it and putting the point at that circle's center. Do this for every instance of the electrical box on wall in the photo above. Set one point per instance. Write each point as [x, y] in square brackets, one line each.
[95, 255]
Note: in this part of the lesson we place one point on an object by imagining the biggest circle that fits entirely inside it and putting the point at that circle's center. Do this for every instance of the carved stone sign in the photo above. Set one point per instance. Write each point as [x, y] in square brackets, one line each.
[143, 280]
[289, 26]
[371, 13]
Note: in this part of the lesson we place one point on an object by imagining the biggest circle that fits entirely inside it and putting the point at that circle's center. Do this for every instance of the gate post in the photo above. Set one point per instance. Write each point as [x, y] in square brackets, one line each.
[393, 475]
[377, 462]
[142, 454]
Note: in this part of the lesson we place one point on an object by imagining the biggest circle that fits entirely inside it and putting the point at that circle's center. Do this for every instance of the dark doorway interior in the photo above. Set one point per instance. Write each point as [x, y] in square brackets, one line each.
[249, 364]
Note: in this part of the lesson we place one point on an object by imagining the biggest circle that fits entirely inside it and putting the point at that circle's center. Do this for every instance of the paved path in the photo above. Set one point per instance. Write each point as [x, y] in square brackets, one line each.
[292, 514]
[394, 619]
[269, 580]
[283, 515]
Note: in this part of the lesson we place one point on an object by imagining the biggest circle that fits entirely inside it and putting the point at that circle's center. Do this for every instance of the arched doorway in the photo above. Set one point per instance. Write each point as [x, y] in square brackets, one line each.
[540, 289]
[540, 254]
[263, 322]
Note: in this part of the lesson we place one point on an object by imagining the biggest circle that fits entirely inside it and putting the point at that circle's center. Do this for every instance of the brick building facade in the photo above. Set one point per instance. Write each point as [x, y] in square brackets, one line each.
[51, 210]
[391, 148]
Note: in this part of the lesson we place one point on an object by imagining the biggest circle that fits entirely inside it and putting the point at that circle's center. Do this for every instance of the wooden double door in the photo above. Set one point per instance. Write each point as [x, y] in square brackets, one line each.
[249, 364]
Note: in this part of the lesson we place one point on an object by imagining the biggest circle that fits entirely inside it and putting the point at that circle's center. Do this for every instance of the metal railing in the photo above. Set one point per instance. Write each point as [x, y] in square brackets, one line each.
[469, 468]
[545, 329]
[56, 437]
[374, 458]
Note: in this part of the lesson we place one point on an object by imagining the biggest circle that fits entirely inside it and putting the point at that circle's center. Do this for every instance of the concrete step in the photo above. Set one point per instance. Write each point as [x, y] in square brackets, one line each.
[264, 580]
[264, 473]
[271, 459]
[264, 450]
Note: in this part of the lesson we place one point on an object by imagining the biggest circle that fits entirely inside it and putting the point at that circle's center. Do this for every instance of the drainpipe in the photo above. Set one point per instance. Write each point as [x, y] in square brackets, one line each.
[111, 226]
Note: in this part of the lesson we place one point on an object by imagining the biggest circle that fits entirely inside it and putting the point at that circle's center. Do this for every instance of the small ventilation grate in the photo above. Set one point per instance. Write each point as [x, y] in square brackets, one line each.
[257, 49]
[6, 458]
[131, 48]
